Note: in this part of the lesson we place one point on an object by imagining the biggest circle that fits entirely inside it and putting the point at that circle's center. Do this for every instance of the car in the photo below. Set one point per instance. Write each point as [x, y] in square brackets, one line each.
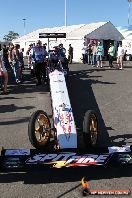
[63, 129]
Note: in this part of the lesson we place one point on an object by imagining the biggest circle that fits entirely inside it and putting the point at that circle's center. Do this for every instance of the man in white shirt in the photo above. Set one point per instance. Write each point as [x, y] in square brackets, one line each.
[120, 56]
[84, 54]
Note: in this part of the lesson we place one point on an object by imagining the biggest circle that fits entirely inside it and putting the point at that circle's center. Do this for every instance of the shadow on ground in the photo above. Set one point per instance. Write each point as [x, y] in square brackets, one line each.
[83, 99]
[28, 84]
[18, 121]
[121, 140]
[66, 175]
[13, 107]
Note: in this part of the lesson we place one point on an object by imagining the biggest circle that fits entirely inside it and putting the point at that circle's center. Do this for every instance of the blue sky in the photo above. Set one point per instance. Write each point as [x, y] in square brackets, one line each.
[50, 13]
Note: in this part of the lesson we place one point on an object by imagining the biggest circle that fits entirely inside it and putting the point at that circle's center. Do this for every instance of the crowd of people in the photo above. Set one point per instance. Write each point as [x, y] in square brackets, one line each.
[93, 54]
[38, 56]
[12, 58]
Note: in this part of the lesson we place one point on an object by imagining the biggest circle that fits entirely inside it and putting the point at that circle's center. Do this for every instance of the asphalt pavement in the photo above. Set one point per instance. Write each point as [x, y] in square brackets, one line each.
[108, 92]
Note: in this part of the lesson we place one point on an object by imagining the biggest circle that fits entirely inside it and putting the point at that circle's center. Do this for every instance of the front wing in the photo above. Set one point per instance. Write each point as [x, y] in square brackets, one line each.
[11, 159]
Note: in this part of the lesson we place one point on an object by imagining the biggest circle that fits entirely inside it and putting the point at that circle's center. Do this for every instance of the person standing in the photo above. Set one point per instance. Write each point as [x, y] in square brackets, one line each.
[89, 54]
[70, 54]
[93, 48]
[15, 63]
[62, 56]
[99, 53]
[5, 56]
[38, 54]
[45, 46]
[21, 61]
[111, 54]
[29, 55]
[3, 74]
[21, 58]
[84, 54]
[120, 56]
[61, 50]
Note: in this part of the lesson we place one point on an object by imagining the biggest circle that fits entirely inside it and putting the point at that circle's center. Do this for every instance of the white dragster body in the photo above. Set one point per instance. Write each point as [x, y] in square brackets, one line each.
[62, 111]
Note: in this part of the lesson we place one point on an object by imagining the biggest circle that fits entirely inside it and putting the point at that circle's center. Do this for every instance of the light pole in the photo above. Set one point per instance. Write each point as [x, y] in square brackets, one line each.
[65, 13]
[129, 10]
[24, 22]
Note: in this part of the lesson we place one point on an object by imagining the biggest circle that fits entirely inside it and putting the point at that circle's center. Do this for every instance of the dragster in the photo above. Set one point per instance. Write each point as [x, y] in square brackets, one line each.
[63, 130]
[61, 136]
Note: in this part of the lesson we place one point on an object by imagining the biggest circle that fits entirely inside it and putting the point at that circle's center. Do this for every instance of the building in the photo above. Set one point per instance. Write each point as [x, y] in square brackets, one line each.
[76, 35]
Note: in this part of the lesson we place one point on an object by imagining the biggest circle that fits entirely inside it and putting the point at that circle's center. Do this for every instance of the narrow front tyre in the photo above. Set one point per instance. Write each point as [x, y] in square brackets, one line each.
[90, 129]
[39, 129]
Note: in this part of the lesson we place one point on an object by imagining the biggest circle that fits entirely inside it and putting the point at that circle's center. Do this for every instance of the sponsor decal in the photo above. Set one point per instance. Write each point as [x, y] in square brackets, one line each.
[59, 91]
[64, 117]
[124, 158]
[58, 81]
[68, 159]
[115, 149]
[17, 152]
[12, 162]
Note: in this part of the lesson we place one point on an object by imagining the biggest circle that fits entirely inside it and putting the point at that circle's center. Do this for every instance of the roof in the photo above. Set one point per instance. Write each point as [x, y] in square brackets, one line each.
[85, 29]
[125, 31]
[76, 31]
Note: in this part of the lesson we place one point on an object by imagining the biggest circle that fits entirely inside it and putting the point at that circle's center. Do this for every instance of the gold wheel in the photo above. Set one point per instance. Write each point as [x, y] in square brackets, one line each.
[93, 129]
[39, 129]
[90, 129]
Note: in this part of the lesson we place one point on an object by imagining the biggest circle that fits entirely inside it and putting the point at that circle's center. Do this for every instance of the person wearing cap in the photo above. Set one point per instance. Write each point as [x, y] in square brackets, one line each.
[99, 54]
[111, 54]
[38, 55]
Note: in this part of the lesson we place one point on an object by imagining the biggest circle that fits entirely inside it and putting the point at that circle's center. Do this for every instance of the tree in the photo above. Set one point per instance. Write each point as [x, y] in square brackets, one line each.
[10, 36]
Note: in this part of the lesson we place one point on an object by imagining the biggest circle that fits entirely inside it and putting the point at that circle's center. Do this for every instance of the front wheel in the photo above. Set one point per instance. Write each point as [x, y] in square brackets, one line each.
[39, 129]
[90, 129]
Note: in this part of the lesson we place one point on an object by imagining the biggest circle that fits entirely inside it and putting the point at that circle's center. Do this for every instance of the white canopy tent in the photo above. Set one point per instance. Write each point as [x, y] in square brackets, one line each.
[76, 35]
[127, 41]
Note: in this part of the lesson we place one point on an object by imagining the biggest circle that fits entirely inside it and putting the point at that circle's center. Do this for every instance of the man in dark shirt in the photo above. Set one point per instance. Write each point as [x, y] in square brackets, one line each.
[70, 53]
[53, 58]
